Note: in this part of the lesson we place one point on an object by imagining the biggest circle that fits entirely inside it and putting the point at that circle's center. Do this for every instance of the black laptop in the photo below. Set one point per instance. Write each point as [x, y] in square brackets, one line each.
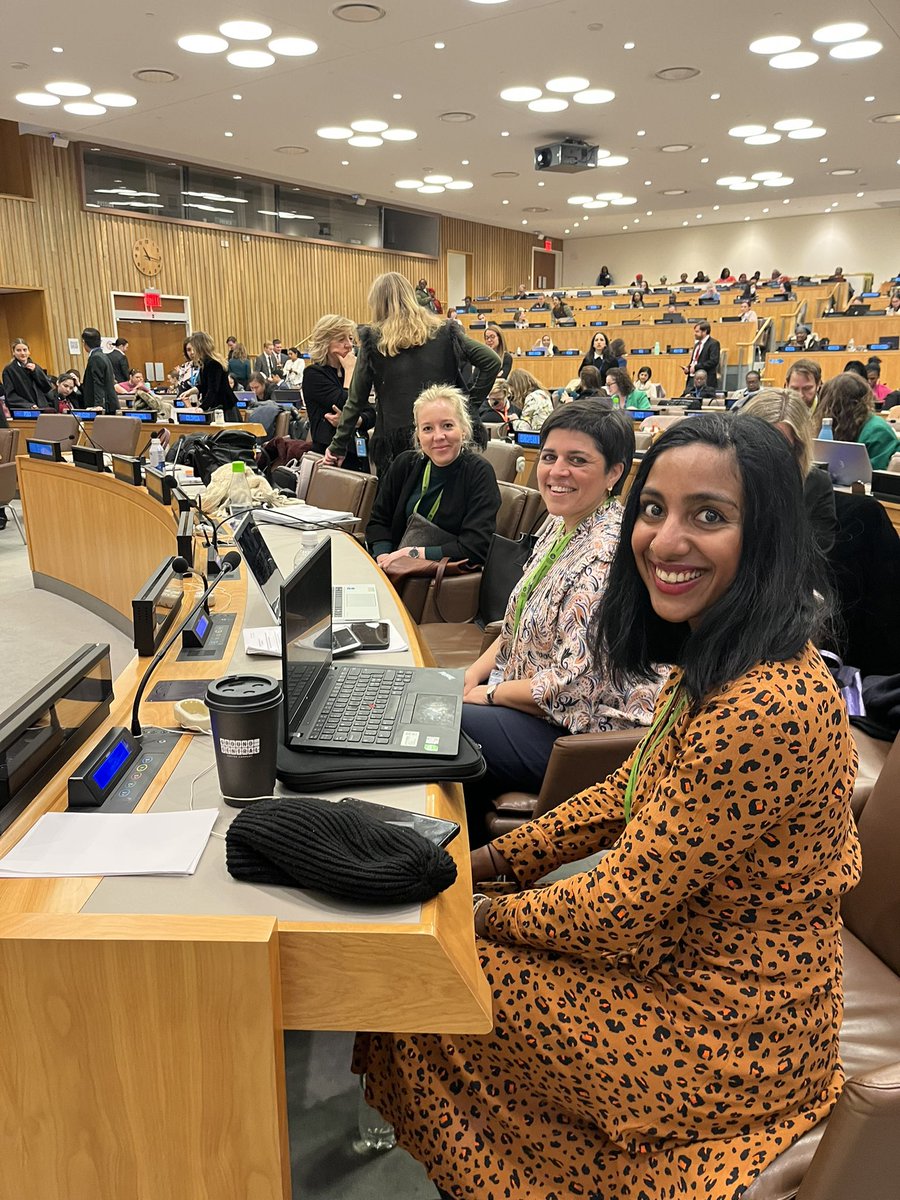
[362, 709]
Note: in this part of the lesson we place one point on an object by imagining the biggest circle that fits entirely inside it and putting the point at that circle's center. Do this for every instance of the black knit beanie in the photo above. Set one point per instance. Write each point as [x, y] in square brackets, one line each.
[305, 842]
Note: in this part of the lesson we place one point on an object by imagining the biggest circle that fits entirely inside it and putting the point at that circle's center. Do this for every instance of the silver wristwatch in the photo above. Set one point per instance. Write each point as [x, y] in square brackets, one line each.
[489, 692]
[414, 552]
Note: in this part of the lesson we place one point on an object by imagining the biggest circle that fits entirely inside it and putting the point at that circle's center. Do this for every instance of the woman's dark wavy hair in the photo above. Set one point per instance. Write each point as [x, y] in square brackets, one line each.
[779, 598]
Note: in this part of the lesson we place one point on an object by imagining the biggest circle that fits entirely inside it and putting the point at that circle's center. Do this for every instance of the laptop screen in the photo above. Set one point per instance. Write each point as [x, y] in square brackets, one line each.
[260, 563]
[305, 632]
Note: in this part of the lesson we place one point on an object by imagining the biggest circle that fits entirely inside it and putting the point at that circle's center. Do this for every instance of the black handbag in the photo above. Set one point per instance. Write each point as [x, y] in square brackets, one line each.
[503, 567]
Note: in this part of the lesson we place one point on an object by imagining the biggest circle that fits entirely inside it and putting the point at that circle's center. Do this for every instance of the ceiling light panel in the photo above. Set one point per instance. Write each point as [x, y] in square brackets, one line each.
[796, 60]
[762, 176]
[202, 43]
[365, 141]
[430, 189]
[803, 135]
[520, 95]
[68, 89]
[80, 108]
[762, 139]
[743, 131]
[567, 83]
[851, 50]
[783, 181]
[438, 179]
[463, 185]
[411, 184]
[251, 59]
[779, 44]
[368, 126]
[594, 96]
[549, 104]
[245, 31]
[845, 31]
[335, 132]
[115, 99]
[37, 99]
[614, 160]
[790, 123]
[293, 47]
[399, 135]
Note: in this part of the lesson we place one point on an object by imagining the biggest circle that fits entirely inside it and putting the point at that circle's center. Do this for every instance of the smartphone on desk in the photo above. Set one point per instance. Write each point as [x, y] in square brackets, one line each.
[371, 635]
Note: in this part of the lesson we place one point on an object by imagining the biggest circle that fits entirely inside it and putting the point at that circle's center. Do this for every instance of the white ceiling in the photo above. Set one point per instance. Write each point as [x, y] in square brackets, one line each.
[489, 46]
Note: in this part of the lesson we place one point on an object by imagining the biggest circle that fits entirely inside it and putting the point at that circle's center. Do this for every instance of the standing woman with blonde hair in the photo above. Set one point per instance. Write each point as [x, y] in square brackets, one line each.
[212, 387]
[326, 382]
[405, 349]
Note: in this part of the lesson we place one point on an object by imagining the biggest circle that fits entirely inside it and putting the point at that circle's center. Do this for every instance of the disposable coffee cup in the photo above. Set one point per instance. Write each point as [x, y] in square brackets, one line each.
[243, 712]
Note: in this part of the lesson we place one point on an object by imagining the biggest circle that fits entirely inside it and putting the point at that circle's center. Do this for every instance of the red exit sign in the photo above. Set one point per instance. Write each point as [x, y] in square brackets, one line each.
[548, 243]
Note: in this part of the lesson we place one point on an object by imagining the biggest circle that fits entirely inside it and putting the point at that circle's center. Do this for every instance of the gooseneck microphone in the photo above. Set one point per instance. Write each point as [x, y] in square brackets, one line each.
[230, 562]
[78, 421]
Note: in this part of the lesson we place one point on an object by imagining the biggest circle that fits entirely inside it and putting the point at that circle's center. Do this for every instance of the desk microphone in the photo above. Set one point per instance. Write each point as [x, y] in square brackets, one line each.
[78, 421]
[182, 567]
[230, 562]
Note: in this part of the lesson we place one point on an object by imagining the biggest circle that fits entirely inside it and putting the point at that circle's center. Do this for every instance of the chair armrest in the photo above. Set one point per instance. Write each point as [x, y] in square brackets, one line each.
[582, 759]
[8, 482]
[491, 633]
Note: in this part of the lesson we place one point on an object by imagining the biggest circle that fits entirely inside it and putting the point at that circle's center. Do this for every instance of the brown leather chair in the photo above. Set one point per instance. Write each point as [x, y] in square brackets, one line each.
[116, 435]
[503, 457]
[309, 464]
[873, 754]
[9, 445]
[8, 487]
[347, 491]
[282, 421]
[57, 427]
[856, 1152]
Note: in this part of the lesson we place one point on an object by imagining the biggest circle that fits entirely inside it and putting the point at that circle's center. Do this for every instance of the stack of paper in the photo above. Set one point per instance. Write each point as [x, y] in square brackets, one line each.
[304, 514]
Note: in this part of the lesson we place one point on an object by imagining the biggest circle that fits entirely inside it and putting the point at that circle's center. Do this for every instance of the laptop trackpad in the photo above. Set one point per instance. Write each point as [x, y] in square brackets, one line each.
[434, 710]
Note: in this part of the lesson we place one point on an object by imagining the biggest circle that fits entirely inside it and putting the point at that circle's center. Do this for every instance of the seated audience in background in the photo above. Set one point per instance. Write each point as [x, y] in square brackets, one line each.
[588, 386]
[211, 389]
[25, 384]
[452, 315]
[497, 409]
[637, 299]
[790, 416]
[604, 279]
[599, 355]
[804, 338]
[855, 366]
[617, 352]
[545, 345]
[653, 391]
[467, 306]
[530, 397]
[701, 277]
[634, 1002]
[752, 386]
[239, 365]
[697, 390]
[66, 394]
[560, 310]
[674, 313]
[268, 361]
[709, 296]
[137, 393]
[873, 375]
[264, 410]
[748, 288]
[622, 390]
[748, 313]
[837, 277]
[521, 292]
[98, 385]
[805, 378]
[683, 278]
[893, 306]
[521, 318]
[326, 383]
[442, 481]
[848, 400]
[785, 288]
[494, 340]
[540, 305]
[172, 382]
[774, 278]
[293, 369]
[539, 681]
[725, 276]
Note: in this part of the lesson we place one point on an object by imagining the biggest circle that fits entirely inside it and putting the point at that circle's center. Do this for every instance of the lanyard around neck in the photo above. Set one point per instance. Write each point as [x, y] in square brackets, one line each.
[426, 479]
[534, 578]
[656, 734]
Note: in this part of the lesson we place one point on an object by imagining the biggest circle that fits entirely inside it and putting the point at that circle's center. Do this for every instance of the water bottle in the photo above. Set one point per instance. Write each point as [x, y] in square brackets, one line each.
[656, 348]
[375, 1133]
[826, 433]
[851, 345]
[156, 456]
[518, 351]
[219, 416]
[239, 489]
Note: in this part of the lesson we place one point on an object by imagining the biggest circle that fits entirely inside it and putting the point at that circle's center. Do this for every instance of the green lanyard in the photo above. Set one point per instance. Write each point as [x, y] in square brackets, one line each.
[547, 563]
[426, 479]
[656, 734]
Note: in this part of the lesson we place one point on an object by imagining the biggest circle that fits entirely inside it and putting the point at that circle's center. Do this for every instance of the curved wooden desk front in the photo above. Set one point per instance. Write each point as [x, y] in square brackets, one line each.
[142, 1019]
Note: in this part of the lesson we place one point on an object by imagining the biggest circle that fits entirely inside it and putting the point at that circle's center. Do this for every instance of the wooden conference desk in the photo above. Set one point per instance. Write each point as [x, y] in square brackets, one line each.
[142, 1018]
[148, 428]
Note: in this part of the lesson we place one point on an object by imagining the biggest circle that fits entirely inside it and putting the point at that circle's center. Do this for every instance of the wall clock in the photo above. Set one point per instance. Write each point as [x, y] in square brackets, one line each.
[147, 256]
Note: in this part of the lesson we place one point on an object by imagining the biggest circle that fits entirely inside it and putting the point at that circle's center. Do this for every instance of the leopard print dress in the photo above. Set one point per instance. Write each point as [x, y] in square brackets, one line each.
[666, 1023]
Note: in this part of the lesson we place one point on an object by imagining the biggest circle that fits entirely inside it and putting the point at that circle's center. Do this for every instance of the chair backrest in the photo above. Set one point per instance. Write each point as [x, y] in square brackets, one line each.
[282, 421]
[56, 427]
[503, 457]
[872, 910]
[520, 509]
[7, 482]
[309, 464]
[350, 491]
[116, 435]
[9, 444]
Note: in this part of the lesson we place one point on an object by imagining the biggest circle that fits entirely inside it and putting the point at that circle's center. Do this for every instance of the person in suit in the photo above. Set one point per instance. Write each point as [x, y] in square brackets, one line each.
[697, 390]
[25, 384]
[705, 356]
[99, 384]
[119, 360]
[212, 388]
[267, 361]
[279, 351]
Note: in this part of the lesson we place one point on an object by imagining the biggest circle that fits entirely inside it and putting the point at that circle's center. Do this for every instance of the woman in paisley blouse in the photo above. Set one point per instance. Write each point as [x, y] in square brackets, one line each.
[538, 681]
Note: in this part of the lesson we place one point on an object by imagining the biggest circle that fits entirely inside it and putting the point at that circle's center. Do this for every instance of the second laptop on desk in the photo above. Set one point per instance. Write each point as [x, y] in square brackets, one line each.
[366, 709]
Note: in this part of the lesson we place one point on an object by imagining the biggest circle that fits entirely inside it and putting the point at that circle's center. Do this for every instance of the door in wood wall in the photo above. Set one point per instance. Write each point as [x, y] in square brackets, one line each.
[543, 269]
[153, 342]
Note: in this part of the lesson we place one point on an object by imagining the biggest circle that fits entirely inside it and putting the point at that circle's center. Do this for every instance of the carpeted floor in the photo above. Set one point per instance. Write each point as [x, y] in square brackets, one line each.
[37, 631]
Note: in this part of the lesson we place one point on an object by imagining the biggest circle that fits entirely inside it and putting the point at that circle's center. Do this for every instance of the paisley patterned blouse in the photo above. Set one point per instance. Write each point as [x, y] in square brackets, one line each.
[552, 646]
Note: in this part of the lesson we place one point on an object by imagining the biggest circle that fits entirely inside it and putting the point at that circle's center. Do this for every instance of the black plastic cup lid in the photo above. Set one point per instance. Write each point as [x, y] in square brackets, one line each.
[243, 691]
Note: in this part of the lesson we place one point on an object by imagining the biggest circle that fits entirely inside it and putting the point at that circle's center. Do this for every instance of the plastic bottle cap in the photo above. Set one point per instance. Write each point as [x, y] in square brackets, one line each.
[238, 466]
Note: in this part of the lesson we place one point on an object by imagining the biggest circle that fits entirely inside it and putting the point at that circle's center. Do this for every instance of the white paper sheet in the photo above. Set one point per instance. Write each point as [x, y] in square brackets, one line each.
[83, 843]
[298, 515]
[265, 640]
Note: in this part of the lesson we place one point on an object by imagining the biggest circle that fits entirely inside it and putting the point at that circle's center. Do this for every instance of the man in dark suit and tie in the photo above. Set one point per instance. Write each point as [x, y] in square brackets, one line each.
[98, 388]
[119, 361]
[705, 356]
[267, 362]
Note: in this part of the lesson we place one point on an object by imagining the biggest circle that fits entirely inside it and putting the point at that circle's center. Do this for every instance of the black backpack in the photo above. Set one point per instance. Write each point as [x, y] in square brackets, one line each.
[205, 453]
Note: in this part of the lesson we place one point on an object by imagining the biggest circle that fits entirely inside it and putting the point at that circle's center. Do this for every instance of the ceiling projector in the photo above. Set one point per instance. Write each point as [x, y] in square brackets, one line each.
[569, 155]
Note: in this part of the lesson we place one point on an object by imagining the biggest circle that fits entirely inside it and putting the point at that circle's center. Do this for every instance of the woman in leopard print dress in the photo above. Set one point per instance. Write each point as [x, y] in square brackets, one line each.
[666, 1022]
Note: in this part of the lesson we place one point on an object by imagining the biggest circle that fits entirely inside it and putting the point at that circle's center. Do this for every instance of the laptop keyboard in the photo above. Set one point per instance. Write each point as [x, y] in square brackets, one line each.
[362, 707]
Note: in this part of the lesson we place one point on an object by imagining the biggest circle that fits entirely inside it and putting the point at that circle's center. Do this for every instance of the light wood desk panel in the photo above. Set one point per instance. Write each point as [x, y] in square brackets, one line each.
[778, 363]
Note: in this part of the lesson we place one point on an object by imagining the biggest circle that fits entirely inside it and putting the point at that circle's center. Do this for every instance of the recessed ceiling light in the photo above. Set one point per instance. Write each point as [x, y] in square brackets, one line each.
[765, 210]
[608, 196]
[57, 49]
[253, 59]
[780, 44]
[440, 45]
[794, 61]
[368, 126]
[245, 31]
[365, 141]
[749, 185]
[399, 135]
[746, 218]
[504, 133]
[845, 171]
[80, 108]
[649, 212]
[676, 148]
[823, 160]
[457, 118]
[520, 94]
[790, 123]
[359, 13]
[525, 222]
[594, 96]
[623, 200]
[237, 96]
[859, 195]
[641, 133]
[596, 204]
[68, 89]
[579, 199]
[488, 1]
[648, 183]
[683, 223]
[438, 178]
[577, 223]
[785, 201]
[743, 131]
[762, 176]
[868, 99]
[37, 99]
[410, 183]
[845, 31]
[228, 133]
[567, 83]
[293, 47]
[463, 185]
[464, 162]
[698, 216]
[855, 50]
[704, 161]
[728, 180]
[716, 208]
[568, 231]
[430, 189]
[614, 160]
[337, 133]
[677, 74]
[345, 162]
[802, 135]
[504, 202]
[398, 96]
[763, 139]
[155, 75]
[715, 96]
[115, 99]
[628, 46]
[202, 43]
[548, 104]
[675, 192]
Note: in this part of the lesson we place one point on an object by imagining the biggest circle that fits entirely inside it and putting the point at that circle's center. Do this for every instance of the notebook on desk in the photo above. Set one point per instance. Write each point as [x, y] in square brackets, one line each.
[361, 709]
